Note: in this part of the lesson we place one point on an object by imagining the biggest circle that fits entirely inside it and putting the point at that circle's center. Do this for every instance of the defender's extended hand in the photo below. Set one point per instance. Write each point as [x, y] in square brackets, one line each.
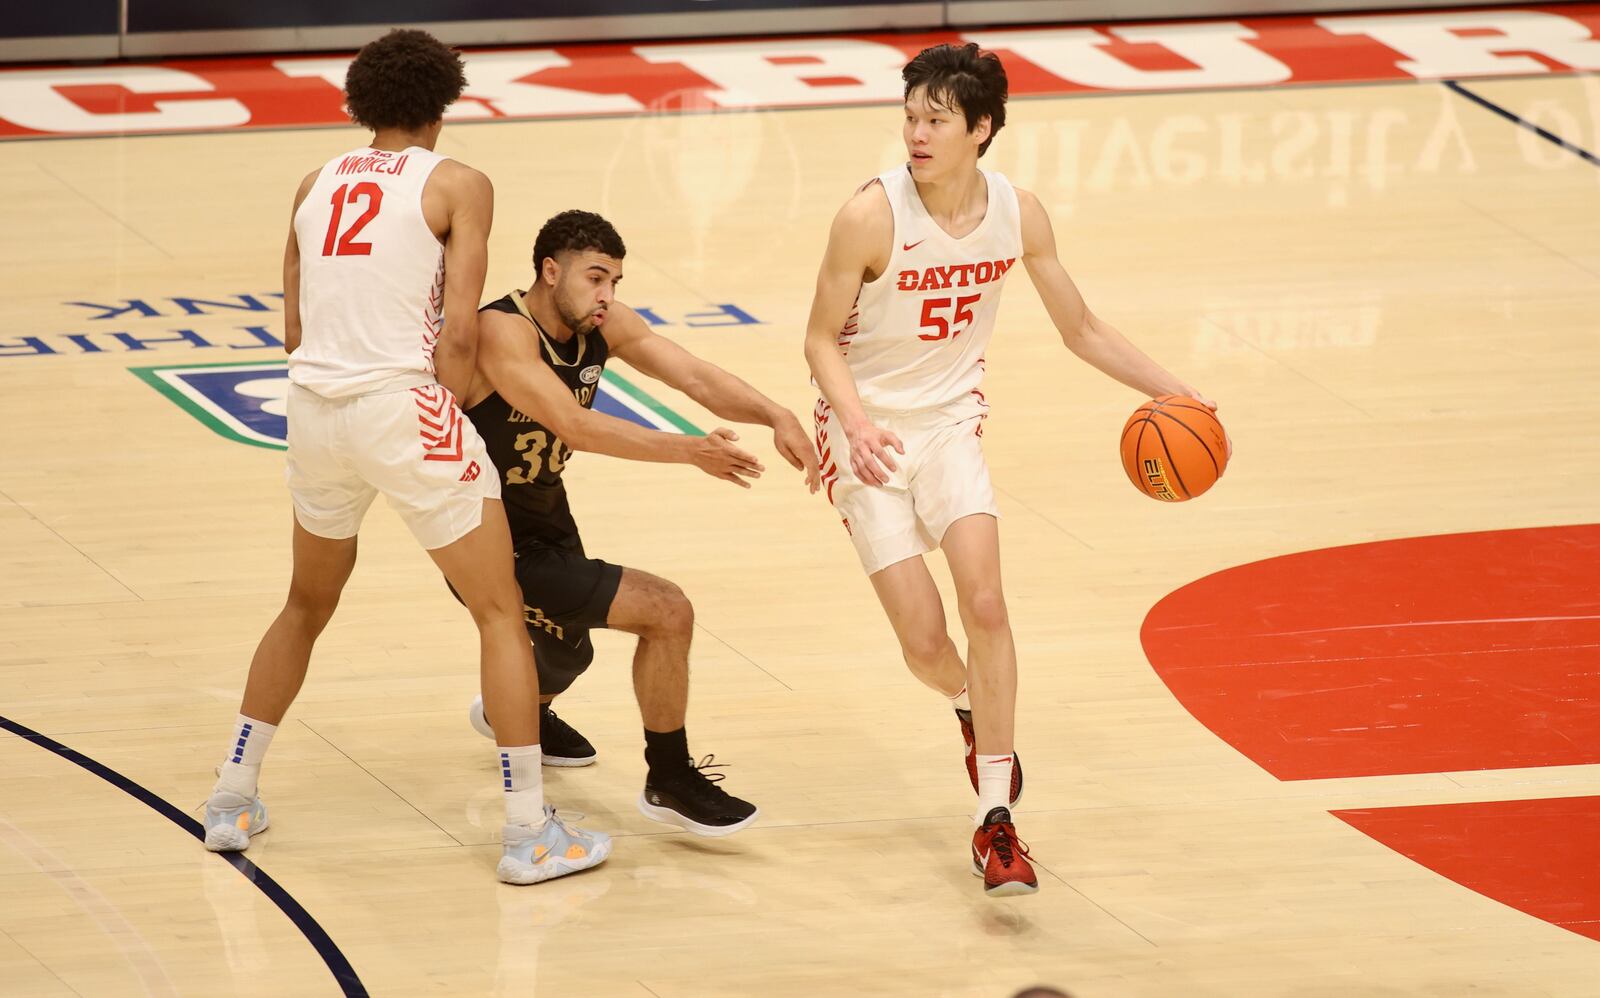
[716, 455]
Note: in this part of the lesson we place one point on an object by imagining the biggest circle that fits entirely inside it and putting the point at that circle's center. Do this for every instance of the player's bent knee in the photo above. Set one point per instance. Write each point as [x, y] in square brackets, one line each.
[493, 603]
[986, 611]
[661, 609]
[677, 613]
[497, 610]
[310, 607]
[923, 649]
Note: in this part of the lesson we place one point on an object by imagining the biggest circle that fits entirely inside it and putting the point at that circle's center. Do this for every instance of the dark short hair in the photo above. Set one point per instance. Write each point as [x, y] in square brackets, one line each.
[962, 78]
[573, 232]
[403, 80]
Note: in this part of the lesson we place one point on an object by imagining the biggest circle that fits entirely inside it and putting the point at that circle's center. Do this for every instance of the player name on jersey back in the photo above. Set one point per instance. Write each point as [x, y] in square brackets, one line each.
[373, 163]
[371, 275]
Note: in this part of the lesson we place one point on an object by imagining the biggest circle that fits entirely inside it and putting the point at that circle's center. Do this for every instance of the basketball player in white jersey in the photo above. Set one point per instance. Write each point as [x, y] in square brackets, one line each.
[385, 242]
[903, 312]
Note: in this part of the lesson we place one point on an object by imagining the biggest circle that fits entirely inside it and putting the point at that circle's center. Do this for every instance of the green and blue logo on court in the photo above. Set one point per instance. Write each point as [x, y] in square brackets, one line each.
[248, 402]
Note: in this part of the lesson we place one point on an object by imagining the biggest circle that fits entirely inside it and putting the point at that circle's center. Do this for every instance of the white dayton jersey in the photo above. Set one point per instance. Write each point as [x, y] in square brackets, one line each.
[371, 276]
[920, 330]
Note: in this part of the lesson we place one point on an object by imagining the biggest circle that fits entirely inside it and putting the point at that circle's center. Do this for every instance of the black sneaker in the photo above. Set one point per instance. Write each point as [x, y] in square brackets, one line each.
[560, 743]
[691, 799]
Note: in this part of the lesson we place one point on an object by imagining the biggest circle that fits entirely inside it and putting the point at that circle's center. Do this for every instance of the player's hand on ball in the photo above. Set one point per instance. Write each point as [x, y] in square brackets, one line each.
[870, 455]
[716, 455]
[796, 448]
[1198, 397]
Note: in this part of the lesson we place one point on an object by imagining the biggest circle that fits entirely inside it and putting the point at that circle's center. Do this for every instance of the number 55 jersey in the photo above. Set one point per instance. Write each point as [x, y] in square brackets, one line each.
[920, 330]
[371, 276]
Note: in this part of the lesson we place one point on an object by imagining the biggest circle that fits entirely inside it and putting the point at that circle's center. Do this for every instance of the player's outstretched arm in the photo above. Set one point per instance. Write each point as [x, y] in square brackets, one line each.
[858, 244]
[291, 271]
[508, 359]
[469, 202]
[1086, 334]
[723, 394]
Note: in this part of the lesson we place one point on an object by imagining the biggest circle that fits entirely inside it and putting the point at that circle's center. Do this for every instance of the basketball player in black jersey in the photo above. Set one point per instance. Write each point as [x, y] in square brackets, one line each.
[539, 363]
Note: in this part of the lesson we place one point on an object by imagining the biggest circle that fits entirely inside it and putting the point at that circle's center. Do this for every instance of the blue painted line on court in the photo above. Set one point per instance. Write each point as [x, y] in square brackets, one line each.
[1522, 122]
[340, 967]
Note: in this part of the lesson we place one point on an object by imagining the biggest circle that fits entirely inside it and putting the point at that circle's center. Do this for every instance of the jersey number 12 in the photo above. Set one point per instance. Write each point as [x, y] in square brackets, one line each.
[346, 244]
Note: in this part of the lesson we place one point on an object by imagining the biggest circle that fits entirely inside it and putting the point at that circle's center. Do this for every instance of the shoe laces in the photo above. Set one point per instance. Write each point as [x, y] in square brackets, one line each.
[556, 723]
[562, 823]
[706, 784]
[1005, 841]
[707, 763]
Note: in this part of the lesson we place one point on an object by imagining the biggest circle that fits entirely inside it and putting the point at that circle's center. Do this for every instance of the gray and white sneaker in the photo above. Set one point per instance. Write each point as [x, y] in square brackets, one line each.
[553, 851]
[231, 819]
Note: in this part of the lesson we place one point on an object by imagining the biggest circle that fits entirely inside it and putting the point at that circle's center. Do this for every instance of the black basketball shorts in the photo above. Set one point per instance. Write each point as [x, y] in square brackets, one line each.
[565, 594]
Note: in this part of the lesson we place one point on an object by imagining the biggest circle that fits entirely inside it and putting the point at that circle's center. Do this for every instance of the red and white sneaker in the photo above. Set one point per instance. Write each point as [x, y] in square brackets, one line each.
[965, 717]
[1000, 858]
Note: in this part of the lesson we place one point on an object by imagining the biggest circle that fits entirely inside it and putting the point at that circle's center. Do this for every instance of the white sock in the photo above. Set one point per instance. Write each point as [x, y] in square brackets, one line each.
[961, 701]
[994, 784]
[523, 781]
[248, 746]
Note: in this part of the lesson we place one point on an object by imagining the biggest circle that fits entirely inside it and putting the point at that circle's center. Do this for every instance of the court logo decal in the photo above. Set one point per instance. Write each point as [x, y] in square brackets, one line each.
[247, 402]
[1450, 654]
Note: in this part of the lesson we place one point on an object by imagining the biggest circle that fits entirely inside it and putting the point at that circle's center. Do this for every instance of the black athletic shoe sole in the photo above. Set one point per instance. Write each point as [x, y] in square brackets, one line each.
[668, 815]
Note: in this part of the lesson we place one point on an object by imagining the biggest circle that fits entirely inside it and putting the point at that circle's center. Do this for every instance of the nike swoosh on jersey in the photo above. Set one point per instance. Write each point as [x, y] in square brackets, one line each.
[912, 246]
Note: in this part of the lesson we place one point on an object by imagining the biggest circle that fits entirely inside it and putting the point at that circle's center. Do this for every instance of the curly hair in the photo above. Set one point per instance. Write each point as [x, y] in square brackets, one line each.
[962, 78]
[403, 80]
[573, 232]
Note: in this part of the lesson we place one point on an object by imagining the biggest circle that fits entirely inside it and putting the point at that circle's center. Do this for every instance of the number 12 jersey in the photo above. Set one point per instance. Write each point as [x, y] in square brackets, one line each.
[371, 276]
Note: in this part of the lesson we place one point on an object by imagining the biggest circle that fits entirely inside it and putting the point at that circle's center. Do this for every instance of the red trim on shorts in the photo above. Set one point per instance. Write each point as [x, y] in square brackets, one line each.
[440, 421]
[828, 467]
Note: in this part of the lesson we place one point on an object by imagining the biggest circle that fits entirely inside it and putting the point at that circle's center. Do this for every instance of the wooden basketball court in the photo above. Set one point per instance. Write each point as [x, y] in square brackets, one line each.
[1390, 289]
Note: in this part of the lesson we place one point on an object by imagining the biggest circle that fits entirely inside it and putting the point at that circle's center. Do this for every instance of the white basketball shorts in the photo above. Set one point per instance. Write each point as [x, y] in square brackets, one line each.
[413, 445]
[941, 478]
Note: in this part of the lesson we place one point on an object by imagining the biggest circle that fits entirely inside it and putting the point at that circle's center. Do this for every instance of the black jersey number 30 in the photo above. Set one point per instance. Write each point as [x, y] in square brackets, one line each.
[536, 449]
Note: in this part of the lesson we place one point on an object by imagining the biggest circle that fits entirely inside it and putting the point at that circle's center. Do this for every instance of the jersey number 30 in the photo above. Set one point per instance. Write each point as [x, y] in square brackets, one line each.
[532, 446]
[346, 244]
[942, 326]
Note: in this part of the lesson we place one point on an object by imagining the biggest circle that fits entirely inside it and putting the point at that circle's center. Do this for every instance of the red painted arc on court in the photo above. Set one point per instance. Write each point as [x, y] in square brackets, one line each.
[1419, 655]
[1541, 857]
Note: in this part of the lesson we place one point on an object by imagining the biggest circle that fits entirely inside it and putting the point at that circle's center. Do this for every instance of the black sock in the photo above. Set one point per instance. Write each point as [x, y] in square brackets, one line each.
[666, 752]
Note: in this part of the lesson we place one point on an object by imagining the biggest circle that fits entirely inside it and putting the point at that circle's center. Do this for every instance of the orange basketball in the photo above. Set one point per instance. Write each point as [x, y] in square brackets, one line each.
[1173, 448]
